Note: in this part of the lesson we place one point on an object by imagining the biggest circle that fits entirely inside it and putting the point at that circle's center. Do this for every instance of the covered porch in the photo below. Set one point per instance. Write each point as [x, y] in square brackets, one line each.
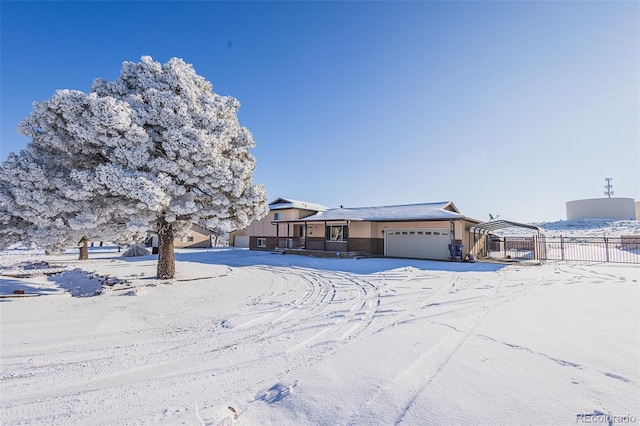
[317, 236]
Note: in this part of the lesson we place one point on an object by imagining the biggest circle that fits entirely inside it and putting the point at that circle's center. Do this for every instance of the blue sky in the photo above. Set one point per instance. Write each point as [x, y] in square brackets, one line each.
[508, 108]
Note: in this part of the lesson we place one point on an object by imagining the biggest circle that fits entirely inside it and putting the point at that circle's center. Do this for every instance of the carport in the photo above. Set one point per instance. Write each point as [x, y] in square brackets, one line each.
[504, 239]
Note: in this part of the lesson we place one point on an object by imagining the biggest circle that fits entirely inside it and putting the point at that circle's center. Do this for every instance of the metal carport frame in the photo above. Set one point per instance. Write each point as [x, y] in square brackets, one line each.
[490, 228]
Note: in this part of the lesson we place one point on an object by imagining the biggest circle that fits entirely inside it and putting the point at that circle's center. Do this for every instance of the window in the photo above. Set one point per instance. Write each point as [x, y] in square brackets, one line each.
[189, 239]
[337, 232]
[262, 242]
[278, 216]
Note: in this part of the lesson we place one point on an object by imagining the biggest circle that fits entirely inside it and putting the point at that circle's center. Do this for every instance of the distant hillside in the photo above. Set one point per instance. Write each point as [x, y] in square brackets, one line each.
[591, 227]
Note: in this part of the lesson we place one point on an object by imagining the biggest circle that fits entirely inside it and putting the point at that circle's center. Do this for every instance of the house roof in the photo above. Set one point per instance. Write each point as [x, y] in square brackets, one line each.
[495, 226]
[289, 203]
[427, 211]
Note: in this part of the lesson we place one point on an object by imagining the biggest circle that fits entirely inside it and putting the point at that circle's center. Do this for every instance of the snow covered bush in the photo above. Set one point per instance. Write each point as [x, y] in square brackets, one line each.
[136, 249]
[156, 149]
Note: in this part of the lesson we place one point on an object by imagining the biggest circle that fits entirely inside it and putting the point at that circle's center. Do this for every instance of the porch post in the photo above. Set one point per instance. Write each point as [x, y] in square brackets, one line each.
[486, 245]
[304, 236]
[348, 237]
[452, 242]
[324, 241]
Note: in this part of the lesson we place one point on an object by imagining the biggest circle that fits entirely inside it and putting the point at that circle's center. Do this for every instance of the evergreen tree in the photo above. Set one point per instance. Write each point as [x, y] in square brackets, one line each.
[156, 149]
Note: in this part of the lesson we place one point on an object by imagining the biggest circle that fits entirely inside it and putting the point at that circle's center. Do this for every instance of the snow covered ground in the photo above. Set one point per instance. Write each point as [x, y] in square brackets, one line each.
[252, 338]
[591, 228]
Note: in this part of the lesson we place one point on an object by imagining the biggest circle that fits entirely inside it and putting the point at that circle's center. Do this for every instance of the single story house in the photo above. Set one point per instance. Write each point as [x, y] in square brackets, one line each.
[198, 237]
[421, 231]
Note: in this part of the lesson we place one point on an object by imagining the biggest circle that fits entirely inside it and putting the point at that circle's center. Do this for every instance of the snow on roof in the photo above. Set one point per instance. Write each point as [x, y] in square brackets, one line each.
[505, 227]
[289, 203]
[426, 211]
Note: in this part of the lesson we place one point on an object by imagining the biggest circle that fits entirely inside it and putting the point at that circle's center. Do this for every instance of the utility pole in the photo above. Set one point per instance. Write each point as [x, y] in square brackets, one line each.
[608, 187]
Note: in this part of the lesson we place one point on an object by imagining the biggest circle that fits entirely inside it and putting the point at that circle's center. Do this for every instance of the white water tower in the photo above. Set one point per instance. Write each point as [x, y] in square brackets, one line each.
[602, 208]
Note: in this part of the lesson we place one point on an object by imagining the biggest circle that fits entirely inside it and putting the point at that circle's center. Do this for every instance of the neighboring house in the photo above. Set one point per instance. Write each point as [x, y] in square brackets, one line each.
[421, 231]
[198, 237]
[263, 235]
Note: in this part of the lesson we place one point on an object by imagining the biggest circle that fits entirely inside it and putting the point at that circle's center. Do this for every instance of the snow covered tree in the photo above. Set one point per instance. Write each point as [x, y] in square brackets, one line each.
[217, 233]
[156, 149]
[30, 210]
[35, 206]
[12, 228]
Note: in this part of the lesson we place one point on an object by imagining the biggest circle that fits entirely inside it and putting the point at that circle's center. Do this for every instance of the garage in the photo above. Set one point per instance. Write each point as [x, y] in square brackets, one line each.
[241, 241]
[418, 243]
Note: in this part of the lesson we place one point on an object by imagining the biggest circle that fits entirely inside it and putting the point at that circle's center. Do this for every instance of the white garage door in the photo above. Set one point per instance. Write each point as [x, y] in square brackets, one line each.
[418, 243]
[241, 241]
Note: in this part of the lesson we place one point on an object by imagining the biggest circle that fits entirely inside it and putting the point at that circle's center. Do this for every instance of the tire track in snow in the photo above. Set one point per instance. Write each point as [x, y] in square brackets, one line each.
[331, 311]
[346, 290]
[431, 362]
[559, 361]
[448, 346]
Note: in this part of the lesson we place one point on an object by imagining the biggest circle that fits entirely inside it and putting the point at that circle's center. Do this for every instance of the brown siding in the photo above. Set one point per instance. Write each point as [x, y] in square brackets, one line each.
[368, 245]
[271, 243]
[314, 243]
[336, 246]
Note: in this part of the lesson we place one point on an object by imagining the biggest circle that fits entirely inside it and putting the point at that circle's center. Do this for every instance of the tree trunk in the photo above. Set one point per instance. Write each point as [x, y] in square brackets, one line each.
[84, 249]
[166, 259]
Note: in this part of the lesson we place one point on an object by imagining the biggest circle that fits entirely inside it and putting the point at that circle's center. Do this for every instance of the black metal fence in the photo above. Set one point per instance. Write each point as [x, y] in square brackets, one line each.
[622, 249]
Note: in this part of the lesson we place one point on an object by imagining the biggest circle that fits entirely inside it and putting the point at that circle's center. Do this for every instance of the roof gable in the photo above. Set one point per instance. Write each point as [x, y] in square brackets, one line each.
[289, 203]
[451, 207]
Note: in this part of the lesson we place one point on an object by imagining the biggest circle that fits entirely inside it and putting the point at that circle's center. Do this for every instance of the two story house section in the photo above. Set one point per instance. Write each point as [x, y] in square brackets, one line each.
[263, 235]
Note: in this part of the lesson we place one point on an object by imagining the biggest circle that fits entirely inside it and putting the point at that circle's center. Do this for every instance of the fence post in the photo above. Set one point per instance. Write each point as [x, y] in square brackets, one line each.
[561, 247]
[606, 248]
